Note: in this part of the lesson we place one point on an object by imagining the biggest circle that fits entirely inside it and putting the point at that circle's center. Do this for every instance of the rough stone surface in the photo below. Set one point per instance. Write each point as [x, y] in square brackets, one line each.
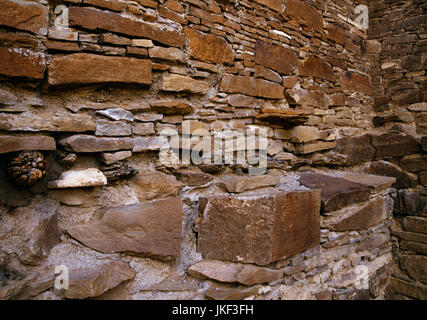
[93, 19]
[18, 62]
[337, 193]
[193, 178]
[179, 83]
[154, 185]
[24, 15]
[304, 14]
[234, 273]
[79, 178]
[393, 145]
[251, 86]
[362, 218]
[87, 283]
[18, 143]
[87, 143]
[238, 184]
[172, 107]
[98, 69]
[149, 228]
[278, 218]
[356, 149]
[384, 168]
[278, 58]
[208, 47]
[315, 67]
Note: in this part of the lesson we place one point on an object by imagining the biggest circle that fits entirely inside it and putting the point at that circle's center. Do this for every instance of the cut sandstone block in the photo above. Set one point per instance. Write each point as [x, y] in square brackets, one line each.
[259, 229]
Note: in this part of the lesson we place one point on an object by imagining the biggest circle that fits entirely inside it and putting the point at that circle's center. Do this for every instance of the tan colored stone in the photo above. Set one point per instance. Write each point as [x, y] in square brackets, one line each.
[10, 143]
[144, 129]
[308, 98]
[172, 54]
[238, 184]
[149, 228]
[251, 86]
[87, 283]
[375, 183]
[24, 15]
[259, 229]
[300, 134]
[267, 74]
[87, 143]
[67, 122]
[314, 147]
[156, 185]
[278, 58]
[282, 118]
[18, 62]
[221, 292]
[245, 274]
[208, 47]
[179, 83]
[276, 5]
[98, 69]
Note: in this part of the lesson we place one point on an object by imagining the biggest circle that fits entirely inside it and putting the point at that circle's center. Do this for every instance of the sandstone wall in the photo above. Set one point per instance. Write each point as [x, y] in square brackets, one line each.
[398, 33]
[91, 84]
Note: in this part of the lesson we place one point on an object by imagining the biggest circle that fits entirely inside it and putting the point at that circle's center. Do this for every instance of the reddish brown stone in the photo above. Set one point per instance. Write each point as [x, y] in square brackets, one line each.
[61, 45]
[391, 145]
[19, 143]
[92, 282]
[193, 178]
[172, 107]
[314, 67]
[275, 57]
[384, 168]
[276, 5]
[208, 47]
[304, 14]
[148, 228]
[18, 62]
[238, 184]
[98, 69]
[356, 149]
[179, 83]
[9, 39]
[282, 118]
[24, 15]
[267, 74]
[114, 5]
[259, 229]
[337, 34]
[94, 19]
[356, 83]
[362, 218]
[88, 143]
[251, 86]
[337, 193]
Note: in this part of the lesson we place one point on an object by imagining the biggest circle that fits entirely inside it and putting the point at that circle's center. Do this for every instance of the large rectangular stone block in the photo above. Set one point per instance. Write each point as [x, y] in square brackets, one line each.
[19, 62]
[83, 68]
[260, 229]
[24, 15]
[148, 228]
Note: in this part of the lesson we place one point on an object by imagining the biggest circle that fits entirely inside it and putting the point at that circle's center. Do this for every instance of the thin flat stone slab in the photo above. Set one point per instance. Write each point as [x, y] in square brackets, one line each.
[149, 228]
[259, 229]
[10, 143]
[88, 143]
[78, 179]
[337, 193]
[282, 118]
[237, 184]
[98, 69]
[375, 183]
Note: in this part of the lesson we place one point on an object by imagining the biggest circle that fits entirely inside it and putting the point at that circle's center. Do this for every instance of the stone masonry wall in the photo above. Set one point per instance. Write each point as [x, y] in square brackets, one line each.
[87, 87]
[399, 44]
